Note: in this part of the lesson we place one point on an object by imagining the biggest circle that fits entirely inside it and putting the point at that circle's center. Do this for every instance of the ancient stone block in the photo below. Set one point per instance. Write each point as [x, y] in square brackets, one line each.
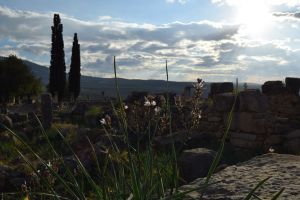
[282, 128]
[293, 134]
[273, 87]
[293, 85]
[219, 88]
[46, 108]
[292, 146]
[214, 119]
[235, 182]
[233, 123]
[247, 122]
[253, 101]
[195, 163]
[223, 102]
[244, 143]
[274, 139]
[243, 136]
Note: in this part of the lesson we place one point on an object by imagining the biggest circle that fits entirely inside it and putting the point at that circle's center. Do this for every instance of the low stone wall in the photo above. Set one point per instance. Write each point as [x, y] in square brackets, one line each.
[261, 121]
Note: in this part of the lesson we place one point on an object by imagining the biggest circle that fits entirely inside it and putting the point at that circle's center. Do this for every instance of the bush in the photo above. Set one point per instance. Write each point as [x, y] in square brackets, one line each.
[16, 79]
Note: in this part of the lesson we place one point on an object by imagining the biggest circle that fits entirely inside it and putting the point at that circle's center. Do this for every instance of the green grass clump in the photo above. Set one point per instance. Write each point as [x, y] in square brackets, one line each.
[93, 111]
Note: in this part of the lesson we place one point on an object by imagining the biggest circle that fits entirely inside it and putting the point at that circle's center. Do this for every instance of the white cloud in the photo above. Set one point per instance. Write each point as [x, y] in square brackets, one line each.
[205, 49]
[177, 1]
[290, 3]
[104, 18]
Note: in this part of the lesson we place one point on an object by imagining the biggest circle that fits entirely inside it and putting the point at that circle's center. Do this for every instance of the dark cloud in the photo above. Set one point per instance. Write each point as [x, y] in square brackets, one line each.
[287, 14]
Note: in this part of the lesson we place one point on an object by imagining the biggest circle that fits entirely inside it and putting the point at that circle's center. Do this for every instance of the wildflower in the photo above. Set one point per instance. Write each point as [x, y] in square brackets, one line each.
[24, 187]
[147, 103]
[107, 120]
[271, 150]
[153, 103]
[125, 107]
[199, 114]
[102, 121]
[178, 101]
[49, 164]
[130, 196]
[162, 99]
[157, 109]
[199, 85]
[38, 171]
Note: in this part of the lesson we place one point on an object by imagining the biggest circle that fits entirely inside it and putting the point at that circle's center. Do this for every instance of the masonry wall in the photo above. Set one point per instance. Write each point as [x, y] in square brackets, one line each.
[261, 120]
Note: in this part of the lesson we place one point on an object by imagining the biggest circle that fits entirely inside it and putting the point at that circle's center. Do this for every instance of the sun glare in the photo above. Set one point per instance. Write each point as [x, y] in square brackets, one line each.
[254, 16]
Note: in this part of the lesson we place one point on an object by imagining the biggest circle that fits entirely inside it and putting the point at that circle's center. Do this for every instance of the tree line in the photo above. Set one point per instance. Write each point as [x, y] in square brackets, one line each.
[57, 78]
[17, 80]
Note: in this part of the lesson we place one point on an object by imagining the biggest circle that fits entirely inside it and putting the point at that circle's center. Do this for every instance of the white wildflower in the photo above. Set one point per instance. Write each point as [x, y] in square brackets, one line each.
[157, 109]
[271, 150]
[199, 115]
[147, 103]
[103, 121]
[199, 85]
[153, 103]
[125, 107]
[49, 164]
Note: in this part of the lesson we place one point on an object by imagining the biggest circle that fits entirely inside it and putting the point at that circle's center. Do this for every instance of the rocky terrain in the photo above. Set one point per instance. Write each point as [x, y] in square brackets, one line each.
[235, 182]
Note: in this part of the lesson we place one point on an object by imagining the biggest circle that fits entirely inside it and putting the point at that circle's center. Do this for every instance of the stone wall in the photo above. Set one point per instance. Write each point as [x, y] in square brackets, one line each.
[261, 121]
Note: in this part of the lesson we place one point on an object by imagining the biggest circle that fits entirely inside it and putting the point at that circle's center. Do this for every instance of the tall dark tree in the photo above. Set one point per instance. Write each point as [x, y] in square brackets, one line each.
[57, 79]
[74, 74]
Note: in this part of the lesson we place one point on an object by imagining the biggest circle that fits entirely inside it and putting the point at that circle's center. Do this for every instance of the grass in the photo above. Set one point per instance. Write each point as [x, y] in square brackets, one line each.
[129, 173]
[94, 110]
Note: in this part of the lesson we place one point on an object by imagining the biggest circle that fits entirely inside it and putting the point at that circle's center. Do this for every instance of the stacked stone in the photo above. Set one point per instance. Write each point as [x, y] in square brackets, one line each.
[283, 99]
[223, 99]
[250, 126]
[260, 121]
[284, 104]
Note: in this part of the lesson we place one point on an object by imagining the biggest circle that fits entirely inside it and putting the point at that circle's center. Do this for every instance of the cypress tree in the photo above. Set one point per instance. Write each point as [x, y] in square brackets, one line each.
[57, 79]
[74, 74]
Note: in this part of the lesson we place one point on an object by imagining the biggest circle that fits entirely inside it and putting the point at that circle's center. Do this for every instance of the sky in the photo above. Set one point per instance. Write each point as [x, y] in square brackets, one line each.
[216, 40]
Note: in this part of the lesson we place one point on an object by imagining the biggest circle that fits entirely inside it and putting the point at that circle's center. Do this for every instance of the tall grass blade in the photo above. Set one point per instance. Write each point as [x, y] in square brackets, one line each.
[43, 162]
[222, 144]
[277, 195]
[250, 194]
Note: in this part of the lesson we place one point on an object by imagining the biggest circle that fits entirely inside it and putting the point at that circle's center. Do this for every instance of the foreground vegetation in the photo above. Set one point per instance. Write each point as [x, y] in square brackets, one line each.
[124, 169]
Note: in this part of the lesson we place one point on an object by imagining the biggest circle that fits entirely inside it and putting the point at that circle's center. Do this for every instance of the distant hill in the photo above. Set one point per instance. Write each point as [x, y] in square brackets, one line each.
[93, 86]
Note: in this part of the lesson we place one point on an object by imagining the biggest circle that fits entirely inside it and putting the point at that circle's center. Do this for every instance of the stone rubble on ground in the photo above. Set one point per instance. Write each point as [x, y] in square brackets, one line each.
[235, 182]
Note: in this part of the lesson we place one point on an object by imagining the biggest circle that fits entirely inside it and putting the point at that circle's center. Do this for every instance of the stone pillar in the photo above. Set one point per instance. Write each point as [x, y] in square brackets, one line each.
[293, 85]
[46, 108]
[187, 91]
[273, 88]
[219, 88]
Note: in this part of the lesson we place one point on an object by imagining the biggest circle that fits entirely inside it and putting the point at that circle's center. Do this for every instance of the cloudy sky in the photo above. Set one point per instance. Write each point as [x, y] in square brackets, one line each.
[217, 40]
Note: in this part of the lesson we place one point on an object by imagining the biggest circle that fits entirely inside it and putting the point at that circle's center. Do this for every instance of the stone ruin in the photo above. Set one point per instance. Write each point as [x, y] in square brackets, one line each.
[262, 120]
[46, 108]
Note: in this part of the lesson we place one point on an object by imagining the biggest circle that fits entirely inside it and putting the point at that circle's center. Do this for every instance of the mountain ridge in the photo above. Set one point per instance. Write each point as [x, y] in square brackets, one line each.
[93, 87]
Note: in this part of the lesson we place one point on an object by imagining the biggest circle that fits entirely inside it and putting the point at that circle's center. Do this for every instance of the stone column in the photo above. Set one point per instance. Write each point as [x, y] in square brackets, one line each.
[46, 108]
